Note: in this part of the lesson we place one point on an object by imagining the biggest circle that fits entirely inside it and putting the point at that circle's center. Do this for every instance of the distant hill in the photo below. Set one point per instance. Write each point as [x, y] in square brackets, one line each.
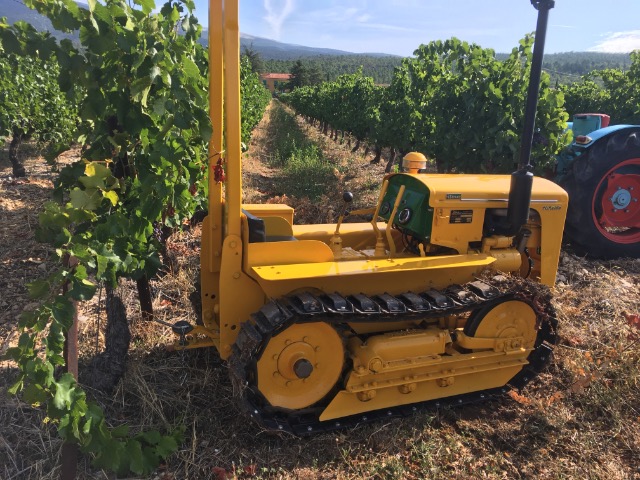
[14, 10]
[273, 50]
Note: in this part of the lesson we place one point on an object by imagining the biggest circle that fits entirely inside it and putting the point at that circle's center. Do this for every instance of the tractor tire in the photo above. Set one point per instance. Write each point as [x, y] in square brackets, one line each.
[603, 219]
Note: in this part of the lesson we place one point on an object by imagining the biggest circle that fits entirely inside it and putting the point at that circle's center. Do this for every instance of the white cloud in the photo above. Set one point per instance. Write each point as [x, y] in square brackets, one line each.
[277, 13]
[618, 42]
[363, 18]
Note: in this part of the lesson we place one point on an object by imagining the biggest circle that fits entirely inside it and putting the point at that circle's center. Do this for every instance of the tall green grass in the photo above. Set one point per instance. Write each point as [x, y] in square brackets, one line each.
[305, 170]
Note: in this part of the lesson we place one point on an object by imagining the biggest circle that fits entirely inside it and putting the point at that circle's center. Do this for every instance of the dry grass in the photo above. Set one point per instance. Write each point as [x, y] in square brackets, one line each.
[580, 419]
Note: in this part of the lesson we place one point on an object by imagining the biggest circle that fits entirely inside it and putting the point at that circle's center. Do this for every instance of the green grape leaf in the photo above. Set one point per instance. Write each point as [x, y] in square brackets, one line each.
[82, 290]
[38, 288]
[66, 392]
[166, 446]
[85, 199]
[34, 394]
[134, 451]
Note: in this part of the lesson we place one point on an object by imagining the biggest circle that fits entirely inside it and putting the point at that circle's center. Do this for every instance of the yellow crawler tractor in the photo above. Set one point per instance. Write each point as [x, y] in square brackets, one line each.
[326, 325]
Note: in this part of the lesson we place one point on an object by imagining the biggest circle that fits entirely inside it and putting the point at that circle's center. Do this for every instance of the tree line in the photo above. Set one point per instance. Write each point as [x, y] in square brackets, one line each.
[563, 68]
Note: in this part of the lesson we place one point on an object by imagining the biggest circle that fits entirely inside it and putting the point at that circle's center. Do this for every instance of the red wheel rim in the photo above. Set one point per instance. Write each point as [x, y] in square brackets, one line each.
[616, 203]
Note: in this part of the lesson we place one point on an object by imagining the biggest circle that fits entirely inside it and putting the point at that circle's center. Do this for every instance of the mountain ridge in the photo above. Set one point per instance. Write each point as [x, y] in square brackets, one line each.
[269, 49]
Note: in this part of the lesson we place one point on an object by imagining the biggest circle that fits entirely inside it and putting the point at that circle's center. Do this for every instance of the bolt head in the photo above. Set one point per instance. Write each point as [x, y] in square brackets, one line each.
[303, 368]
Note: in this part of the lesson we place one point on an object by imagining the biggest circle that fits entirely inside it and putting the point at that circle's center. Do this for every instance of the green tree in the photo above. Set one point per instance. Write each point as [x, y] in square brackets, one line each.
[303, 75]
[254, 58]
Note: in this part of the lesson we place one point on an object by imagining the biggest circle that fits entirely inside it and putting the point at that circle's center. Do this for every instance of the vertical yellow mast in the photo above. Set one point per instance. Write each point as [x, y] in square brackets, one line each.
[211, 259]
[224, 110]
[233, 191]
[225, 198]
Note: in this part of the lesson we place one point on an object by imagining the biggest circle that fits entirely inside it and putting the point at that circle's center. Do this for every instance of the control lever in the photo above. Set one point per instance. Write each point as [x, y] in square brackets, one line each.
[335, 242]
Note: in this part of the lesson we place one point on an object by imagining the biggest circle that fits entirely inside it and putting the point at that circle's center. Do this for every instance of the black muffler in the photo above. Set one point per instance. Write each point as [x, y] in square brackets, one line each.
[522, 179]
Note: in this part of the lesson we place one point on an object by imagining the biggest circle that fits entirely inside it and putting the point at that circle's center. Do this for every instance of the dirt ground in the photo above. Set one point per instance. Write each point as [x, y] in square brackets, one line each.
[580, 419]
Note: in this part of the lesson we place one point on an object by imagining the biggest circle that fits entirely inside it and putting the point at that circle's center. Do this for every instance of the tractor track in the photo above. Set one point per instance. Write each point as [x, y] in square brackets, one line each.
[277, 315]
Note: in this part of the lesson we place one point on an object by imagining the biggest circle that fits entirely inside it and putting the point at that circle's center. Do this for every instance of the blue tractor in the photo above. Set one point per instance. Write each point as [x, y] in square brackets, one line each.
[600, 171]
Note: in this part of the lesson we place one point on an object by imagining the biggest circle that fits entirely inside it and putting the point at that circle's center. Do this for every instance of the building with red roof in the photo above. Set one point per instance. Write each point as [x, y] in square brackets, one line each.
[275, 82]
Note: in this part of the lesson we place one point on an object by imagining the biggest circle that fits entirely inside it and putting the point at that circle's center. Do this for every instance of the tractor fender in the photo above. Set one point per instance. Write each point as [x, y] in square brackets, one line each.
[567, 156]
[601, 133]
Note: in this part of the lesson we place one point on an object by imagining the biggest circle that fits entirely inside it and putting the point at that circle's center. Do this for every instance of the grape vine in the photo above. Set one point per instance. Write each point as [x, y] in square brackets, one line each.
[610, 91]
[453, 101]
[139, 81]
[33, 107]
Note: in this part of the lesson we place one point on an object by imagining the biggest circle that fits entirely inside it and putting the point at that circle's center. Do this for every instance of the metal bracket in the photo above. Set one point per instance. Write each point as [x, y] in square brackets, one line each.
[510, 344]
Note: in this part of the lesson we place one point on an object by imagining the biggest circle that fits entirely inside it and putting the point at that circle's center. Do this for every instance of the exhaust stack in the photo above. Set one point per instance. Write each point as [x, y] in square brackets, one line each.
[522, 179]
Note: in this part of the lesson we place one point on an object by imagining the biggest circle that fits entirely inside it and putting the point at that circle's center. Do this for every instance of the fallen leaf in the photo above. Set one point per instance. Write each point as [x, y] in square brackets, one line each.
[580, 385]
[555, 398]
[521, 399]
[220, 473]
[632, 319]
[634, 322]
[250, 469]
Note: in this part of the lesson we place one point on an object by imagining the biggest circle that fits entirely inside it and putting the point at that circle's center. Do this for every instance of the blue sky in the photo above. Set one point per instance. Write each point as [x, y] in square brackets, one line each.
[399, 26]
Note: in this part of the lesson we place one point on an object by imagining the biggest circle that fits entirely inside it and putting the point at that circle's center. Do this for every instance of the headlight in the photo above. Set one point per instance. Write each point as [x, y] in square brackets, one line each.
[404, 216]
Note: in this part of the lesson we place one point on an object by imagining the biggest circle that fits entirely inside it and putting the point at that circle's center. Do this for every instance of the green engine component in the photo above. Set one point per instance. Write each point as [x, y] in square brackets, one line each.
[414, 216]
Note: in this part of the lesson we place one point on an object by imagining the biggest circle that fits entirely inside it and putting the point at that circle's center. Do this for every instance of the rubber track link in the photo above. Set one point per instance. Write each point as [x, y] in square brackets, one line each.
[337, 310]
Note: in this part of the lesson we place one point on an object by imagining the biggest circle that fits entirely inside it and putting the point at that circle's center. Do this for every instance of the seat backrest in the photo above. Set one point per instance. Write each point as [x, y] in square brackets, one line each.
[256, 228]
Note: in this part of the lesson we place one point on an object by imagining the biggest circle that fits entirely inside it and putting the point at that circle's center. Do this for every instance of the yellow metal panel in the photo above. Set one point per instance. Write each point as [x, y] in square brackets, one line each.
[372, 276]
[211, 243]
[209, 281]
[552, 220]
[456, 235]
[270, 210]
[277, 226]
[357, 267]
[346, 403]
[240, 295]
[481, 187]
[281, 253]
[354, 235]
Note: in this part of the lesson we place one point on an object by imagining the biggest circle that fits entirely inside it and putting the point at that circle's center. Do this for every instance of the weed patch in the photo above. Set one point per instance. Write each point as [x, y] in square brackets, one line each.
[305, 172]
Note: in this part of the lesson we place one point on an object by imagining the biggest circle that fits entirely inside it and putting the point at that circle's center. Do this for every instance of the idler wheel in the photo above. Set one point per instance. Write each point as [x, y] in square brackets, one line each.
[300, 365]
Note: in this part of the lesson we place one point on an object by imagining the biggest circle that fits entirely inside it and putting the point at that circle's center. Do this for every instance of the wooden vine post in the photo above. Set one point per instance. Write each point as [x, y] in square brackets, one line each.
[69, 461]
